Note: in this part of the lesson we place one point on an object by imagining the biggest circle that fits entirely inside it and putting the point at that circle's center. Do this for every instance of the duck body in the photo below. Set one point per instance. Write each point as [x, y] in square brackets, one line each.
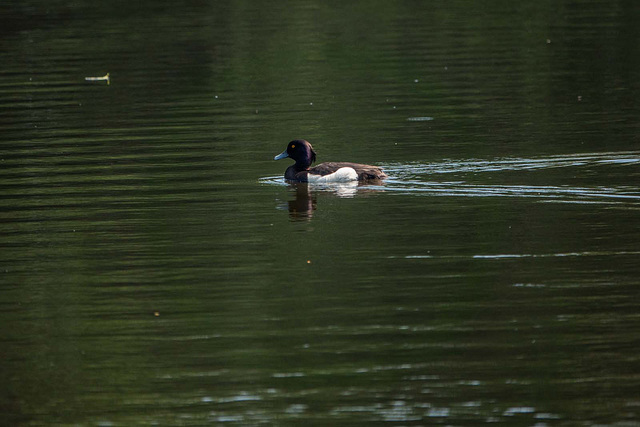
[302, 152]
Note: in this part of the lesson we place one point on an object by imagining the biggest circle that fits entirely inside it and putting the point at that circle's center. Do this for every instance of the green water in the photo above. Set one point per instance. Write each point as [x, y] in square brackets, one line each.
[156, 269]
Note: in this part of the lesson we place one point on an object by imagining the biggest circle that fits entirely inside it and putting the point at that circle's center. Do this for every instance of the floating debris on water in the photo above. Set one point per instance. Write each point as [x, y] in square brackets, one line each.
[419, 119]
[104, 78]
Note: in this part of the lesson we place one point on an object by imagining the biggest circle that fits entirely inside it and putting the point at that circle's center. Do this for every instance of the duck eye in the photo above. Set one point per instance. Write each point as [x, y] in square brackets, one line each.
[293, 145]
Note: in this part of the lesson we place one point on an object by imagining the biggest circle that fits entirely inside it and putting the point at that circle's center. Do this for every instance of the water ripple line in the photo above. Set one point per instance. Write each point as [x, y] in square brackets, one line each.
[448, 166]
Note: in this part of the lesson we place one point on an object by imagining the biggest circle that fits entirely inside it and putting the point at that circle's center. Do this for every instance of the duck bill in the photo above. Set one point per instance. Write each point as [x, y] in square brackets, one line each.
[282, 155]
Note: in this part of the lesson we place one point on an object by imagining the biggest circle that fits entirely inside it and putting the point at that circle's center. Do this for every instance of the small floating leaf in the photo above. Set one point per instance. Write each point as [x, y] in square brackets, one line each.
[104, 78]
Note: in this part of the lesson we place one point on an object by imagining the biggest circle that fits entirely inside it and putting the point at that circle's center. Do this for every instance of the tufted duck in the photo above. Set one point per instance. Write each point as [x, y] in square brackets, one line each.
[302, 152]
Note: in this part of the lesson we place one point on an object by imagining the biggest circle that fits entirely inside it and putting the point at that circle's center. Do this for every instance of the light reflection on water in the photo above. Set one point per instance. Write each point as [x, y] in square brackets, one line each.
[508, 256]
[557, 194]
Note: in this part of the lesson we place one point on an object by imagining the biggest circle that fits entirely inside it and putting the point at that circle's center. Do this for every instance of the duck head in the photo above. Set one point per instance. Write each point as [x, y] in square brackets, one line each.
[300, 151]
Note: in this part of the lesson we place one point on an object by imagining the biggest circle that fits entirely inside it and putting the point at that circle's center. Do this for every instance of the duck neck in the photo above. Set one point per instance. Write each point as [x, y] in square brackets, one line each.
[301, 165]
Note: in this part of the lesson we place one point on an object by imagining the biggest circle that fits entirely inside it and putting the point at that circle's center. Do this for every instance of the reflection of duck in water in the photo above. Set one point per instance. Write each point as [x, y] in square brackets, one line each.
[302, 152]
[305, 202]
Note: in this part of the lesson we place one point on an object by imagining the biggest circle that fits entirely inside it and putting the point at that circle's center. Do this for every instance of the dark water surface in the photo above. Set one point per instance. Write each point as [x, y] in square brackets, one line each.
[156, 269]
